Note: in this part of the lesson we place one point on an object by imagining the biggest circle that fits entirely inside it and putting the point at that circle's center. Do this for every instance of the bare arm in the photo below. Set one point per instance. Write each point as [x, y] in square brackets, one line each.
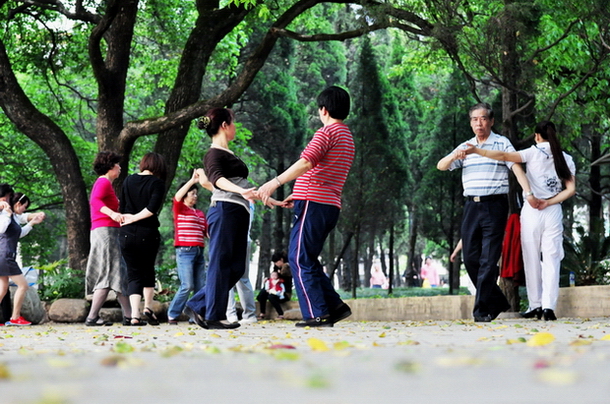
[444, 163]
[456, 251]
[227, 185]
[181, 193]
[204, 181]
[143, 214]
[568, 192]
[514, 157]
[299, 168]
[525, 184]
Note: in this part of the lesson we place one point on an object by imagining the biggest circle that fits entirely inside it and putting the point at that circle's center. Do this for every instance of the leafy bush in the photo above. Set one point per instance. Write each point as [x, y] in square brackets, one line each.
[371, 293]
[167, 282]
[56, 281]
[589, 259]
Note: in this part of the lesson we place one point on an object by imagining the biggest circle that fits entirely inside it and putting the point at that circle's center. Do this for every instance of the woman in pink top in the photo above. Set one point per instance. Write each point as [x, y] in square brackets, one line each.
[104, 265]
[429, 272]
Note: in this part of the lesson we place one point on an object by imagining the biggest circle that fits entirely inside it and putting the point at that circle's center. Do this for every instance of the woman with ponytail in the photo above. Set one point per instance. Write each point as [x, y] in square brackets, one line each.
[226, 175]
[550, 172]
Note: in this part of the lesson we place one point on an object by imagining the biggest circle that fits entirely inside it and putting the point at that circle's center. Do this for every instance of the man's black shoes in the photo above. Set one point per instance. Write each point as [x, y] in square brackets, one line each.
[324, 321]
[338, 314]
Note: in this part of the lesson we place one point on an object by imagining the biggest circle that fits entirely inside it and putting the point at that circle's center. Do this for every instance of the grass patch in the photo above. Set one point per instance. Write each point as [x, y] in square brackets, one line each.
[368, 293]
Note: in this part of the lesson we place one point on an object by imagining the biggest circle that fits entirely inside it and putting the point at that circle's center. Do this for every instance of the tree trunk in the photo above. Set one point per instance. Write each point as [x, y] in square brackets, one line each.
[391, 260]
[56, 145]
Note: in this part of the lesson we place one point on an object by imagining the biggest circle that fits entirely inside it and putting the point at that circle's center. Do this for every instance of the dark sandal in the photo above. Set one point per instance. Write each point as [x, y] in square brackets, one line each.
[152, 319]
[97, 322]
[136, 322]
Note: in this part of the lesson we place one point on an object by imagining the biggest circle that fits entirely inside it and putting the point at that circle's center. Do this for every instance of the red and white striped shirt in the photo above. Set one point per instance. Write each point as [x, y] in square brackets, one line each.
[190, 226]
[331, 152]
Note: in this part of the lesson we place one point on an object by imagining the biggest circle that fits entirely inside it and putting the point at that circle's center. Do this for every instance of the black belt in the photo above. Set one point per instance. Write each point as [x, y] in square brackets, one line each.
[486, 198]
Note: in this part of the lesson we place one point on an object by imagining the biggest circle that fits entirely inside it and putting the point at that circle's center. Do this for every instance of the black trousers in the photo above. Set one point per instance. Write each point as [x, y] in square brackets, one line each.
[139, 246]
[483, 228]
[275, 301]
[7, 309]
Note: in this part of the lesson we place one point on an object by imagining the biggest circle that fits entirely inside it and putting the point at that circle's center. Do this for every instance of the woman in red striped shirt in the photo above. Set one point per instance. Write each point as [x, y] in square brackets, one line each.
[190, 229]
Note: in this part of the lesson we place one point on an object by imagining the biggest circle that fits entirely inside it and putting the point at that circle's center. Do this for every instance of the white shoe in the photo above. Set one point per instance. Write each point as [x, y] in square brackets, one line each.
[232, 319]
[249, 320]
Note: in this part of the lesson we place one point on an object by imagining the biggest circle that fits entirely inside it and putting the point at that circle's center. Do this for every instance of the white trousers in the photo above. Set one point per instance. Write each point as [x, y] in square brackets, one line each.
[542, 244]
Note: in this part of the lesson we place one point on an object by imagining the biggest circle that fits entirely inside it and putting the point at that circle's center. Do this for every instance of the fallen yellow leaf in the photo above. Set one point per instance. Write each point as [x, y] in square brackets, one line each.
[605, 338]
[557, 376]
[340, 345]
[579, 342]
[317, 344]
[178, 334]
[540, 339]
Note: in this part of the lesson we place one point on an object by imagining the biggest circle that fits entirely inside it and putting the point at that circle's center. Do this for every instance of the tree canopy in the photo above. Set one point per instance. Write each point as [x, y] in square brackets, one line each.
[81, 76]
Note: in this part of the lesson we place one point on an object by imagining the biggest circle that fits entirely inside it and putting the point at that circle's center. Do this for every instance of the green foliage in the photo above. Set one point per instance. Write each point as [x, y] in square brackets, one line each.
[588, 257]
[371, 293]
[57, 281]
[167, 281]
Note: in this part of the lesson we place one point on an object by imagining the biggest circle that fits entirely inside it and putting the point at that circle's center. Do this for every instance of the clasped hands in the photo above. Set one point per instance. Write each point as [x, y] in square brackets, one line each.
[263, 194]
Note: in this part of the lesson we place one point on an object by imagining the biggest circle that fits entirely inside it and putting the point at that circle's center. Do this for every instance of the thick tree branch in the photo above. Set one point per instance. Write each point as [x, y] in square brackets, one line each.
[253, 64]
[330, 37]
[80, 14]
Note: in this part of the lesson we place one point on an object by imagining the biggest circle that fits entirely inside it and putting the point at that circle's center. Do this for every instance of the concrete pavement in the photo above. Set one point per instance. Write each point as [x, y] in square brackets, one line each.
[507, 361]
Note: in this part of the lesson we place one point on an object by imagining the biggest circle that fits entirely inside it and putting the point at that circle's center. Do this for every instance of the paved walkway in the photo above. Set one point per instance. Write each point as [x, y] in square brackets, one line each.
[507, 361]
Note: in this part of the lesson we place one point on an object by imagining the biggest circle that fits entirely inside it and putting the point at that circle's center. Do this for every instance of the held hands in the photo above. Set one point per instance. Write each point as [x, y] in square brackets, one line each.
[117, 217]
[462, 153]
[266, 190]
[127, 218]
[536, 203]
[37, 218]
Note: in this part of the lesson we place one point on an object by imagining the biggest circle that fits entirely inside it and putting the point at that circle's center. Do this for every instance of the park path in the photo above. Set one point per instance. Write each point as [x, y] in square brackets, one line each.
[506, 361]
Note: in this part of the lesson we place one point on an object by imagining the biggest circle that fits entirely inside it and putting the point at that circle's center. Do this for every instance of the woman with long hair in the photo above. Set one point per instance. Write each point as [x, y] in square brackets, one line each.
[550, 172]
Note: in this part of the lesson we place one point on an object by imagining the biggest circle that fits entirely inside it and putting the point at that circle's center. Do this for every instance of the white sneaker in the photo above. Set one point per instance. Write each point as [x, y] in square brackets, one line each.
[232, 319]
[249, 320]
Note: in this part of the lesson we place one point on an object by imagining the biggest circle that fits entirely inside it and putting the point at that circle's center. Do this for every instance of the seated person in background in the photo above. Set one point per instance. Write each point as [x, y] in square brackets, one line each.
[378, 278]
[429, 272]
[280, 261]
[274, 290]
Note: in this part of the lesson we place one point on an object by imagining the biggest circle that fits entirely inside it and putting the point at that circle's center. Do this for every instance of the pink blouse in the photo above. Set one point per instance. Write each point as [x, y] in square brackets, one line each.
[102, 194]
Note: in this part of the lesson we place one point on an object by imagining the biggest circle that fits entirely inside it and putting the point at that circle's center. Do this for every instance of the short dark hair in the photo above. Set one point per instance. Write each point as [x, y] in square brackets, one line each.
[194, 187]
[279, 255]
[214, 118]
[105, 161]
[482, 105]
[6, 190]
[21, 198]
[155, 163]
[336, 101]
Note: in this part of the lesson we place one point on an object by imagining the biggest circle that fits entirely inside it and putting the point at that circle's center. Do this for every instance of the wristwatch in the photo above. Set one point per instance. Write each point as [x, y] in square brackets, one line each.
[528, 194]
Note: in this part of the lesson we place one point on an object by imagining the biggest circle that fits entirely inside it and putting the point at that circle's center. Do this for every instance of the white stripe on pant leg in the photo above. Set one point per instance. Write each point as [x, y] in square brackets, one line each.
[299, 243]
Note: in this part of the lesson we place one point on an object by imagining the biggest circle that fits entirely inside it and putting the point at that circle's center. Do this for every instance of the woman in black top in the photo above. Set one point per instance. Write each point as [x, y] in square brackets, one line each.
[228, 222]
[141, 200]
